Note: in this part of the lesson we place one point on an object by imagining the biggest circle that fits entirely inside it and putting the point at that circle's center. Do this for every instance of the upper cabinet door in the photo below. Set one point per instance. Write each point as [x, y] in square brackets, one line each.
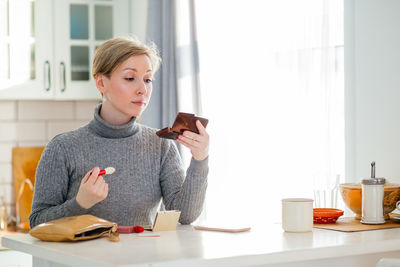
[26, 49]
[80, 27]
[47, 46]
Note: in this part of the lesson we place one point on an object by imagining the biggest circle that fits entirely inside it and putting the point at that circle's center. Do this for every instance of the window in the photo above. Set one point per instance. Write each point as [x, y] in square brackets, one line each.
[271, 75]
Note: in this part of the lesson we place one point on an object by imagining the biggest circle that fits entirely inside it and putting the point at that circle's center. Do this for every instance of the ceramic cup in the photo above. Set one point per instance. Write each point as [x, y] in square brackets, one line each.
[297, 214]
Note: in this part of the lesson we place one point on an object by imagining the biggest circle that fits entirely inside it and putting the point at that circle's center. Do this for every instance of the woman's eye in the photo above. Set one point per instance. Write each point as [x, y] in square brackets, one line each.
[148, 80]
[129, 79]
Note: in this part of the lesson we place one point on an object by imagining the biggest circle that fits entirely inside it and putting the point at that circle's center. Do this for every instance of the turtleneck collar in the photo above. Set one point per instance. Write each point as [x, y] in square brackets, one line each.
[104, 129]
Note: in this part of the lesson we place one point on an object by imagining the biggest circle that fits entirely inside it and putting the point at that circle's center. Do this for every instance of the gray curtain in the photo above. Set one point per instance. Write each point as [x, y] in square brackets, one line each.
[178, 61]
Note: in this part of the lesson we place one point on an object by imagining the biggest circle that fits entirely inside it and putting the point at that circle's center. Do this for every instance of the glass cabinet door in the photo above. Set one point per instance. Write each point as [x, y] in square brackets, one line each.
[25, 49]
[81, 26]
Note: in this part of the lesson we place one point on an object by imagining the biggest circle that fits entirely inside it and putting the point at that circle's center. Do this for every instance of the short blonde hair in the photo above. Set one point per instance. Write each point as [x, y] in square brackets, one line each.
[113, 52]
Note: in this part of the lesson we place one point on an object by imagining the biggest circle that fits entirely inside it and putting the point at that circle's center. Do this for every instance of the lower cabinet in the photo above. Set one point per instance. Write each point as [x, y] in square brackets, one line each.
[11, 258]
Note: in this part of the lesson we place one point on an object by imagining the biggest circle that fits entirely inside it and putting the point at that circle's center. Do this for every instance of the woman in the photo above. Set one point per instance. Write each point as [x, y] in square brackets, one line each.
[148, 168]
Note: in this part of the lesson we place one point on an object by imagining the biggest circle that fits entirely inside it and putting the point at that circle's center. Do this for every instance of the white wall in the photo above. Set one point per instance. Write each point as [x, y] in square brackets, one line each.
[372, 82]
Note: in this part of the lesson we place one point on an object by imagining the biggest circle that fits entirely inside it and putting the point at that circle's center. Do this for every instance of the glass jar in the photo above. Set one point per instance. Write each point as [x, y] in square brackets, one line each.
[3, 215]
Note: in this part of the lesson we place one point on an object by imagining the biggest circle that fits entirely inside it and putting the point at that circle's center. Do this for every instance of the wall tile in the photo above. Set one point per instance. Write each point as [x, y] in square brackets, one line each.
[8, 110]
[81, 123]
[32, 143]
[6, 152]
[31, 131]
[8, 131]
[45, 110]
[5, 173]
[57, 127]
[7, 192]
[84, 109]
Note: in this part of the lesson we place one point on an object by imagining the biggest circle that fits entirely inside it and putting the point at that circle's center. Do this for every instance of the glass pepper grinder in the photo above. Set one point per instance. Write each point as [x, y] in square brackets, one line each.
[372, 190]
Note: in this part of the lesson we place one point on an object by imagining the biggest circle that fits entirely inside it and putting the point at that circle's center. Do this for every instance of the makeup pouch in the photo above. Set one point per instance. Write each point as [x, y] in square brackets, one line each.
[75, 228]
[183, 122]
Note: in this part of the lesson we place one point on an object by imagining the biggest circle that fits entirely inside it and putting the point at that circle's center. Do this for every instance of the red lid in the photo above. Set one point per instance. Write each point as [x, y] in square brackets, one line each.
[326, 215]
[327, 212]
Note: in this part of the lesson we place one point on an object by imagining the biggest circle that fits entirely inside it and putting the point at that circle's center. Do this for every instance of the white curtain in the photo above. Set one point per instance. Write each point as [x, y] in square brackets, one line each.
[271, 75]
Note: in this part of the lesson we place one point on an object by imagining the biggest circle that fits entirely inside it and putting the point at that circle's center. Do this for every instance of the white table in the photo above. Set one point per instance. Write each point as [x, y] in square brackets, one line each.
[267, 246]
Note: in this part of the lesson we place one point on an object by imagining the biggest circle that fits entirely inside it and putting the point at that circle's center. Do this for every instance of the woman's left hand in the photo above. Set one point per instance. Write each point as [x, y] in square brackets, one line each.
[197, 143]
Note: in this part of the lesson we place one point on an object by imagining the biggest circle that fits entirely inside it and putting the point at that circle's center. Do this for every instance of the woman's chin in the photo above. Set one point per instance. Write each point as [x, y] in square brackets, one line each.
[137, 113]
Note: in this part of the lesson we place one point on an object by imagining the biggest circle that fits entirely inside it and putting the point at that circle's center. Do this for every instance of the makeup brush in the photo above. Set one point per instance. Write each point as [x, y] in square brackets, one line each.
[108, 170]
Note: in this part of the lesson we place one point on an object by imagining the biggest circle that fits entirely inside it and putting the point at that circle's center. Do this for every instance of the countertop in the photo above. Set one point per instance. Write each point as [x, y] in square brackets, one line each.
[12, 230]
[188, 247]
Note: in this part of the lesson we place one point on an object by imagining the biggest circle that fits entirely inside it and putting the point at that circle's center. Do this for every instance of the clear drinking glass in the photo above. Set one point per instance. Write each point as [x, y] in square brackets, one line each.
[3, 215]
[326, 191]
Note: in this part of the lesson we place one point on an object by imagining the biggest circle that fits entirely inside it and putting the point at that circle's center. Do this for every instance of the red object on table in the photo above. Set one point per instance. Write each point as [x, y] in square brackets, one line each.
[326, 215]
[129, 229]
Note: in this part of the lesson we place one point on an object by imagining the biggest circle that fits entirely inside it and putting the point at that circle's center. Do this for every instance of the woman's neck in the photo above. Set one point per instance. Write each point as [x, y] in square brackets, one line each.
[113, 116]
[105, 129]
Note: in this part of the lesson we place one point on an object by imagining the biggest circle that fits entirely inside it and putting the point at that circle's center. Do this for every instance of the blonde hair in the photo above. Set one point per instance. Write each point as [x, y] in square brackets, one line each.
[113, 52]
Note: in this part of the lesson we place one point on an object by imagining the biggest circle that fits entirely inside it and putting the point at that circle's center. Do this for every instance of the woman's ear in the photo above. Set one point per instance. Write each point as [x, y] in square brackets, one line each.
[100, 84]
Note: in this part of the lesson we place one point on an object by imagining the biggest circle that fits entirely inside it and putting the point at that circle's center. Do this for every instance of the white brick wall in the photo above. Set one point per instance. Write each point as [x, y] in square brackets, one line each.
[84, 110]
[32, 143]
[46, 110]
[8, 131]
[34, 123]
[7, 191]
[5, 174]
[31, 131]
[8, 110]
[57, 127]
[5, 152]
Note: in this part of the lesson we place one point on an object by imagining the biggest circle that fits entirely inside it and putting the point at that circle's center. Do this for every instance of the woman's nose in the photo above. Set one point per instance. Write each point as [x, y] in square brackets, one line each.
[141, 90]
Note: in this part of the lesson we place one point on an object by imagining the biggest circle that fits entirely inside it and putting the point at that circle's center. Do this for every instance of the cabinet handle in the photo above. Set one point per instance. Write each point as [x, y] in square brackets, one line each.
[62, 77]
[47, 79]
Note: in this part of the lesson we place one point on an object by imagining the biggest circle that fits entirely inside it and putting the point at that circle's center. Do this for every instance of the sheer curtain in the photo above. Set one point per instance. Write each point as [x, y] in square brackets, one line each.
[172, 26]
[271, 76]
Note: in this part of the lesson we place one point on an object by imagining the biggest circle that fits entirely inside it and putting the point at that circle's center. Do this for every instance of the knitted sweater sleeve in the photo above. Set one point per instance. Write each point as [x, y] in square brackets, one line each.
[51, 187]
[179, 192]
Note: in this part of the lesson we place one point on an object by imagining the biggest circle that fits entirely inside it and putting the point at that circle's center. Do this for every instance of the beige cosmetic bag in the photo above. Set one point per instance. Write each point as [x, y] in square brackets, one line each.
[75, 228]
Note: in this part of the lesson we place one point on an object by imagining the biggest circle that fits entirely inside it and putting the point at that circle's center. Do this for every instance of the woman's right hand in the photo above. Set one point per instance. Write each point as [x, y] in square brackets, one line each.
[92, 190]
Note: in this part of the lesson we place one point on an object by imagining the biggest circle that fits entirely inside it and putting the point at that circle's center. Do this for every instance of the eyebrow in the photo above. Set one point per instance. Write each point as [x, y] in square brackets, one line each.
[135, 70]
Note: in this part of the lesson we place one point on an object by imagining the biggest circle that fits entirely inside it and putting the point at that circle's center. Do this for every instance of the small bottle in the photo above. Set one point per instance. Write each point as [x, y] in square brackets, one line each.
[372, 190]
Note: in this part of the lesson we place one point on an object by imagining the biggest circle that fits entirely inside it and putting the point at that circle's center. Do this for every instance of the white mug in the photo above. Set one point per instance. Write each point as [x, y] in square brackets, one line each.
[297, 214]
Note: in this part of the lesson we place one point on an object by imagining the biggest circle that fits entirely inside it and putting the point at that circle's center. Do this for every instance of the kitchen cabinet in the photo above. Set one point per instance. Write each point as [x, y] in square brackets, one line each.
[11, 258]
[47, 46]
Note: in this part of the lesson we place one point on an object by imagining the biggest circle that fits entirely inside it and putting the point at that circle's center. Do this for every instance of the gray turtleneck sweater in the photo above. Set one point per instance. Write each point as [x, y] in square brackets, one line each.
[148, 169]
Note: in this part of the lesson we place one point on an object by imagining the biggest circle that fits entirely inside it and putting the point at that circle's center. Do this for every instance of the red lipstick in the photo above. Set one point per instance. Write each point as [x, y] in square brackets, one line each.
[108, 170]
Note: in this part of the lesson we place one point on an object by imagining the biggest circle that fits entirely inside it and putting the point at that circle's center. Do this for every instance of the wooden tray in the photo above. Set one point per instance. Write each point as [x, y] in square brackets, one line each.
[349, 224]
[24, 161]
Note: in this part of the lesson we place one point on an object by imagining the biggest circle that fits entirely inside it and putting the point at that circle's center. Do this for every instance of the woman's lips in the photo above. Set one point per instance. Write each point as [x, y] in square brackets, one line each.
[139, 103]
